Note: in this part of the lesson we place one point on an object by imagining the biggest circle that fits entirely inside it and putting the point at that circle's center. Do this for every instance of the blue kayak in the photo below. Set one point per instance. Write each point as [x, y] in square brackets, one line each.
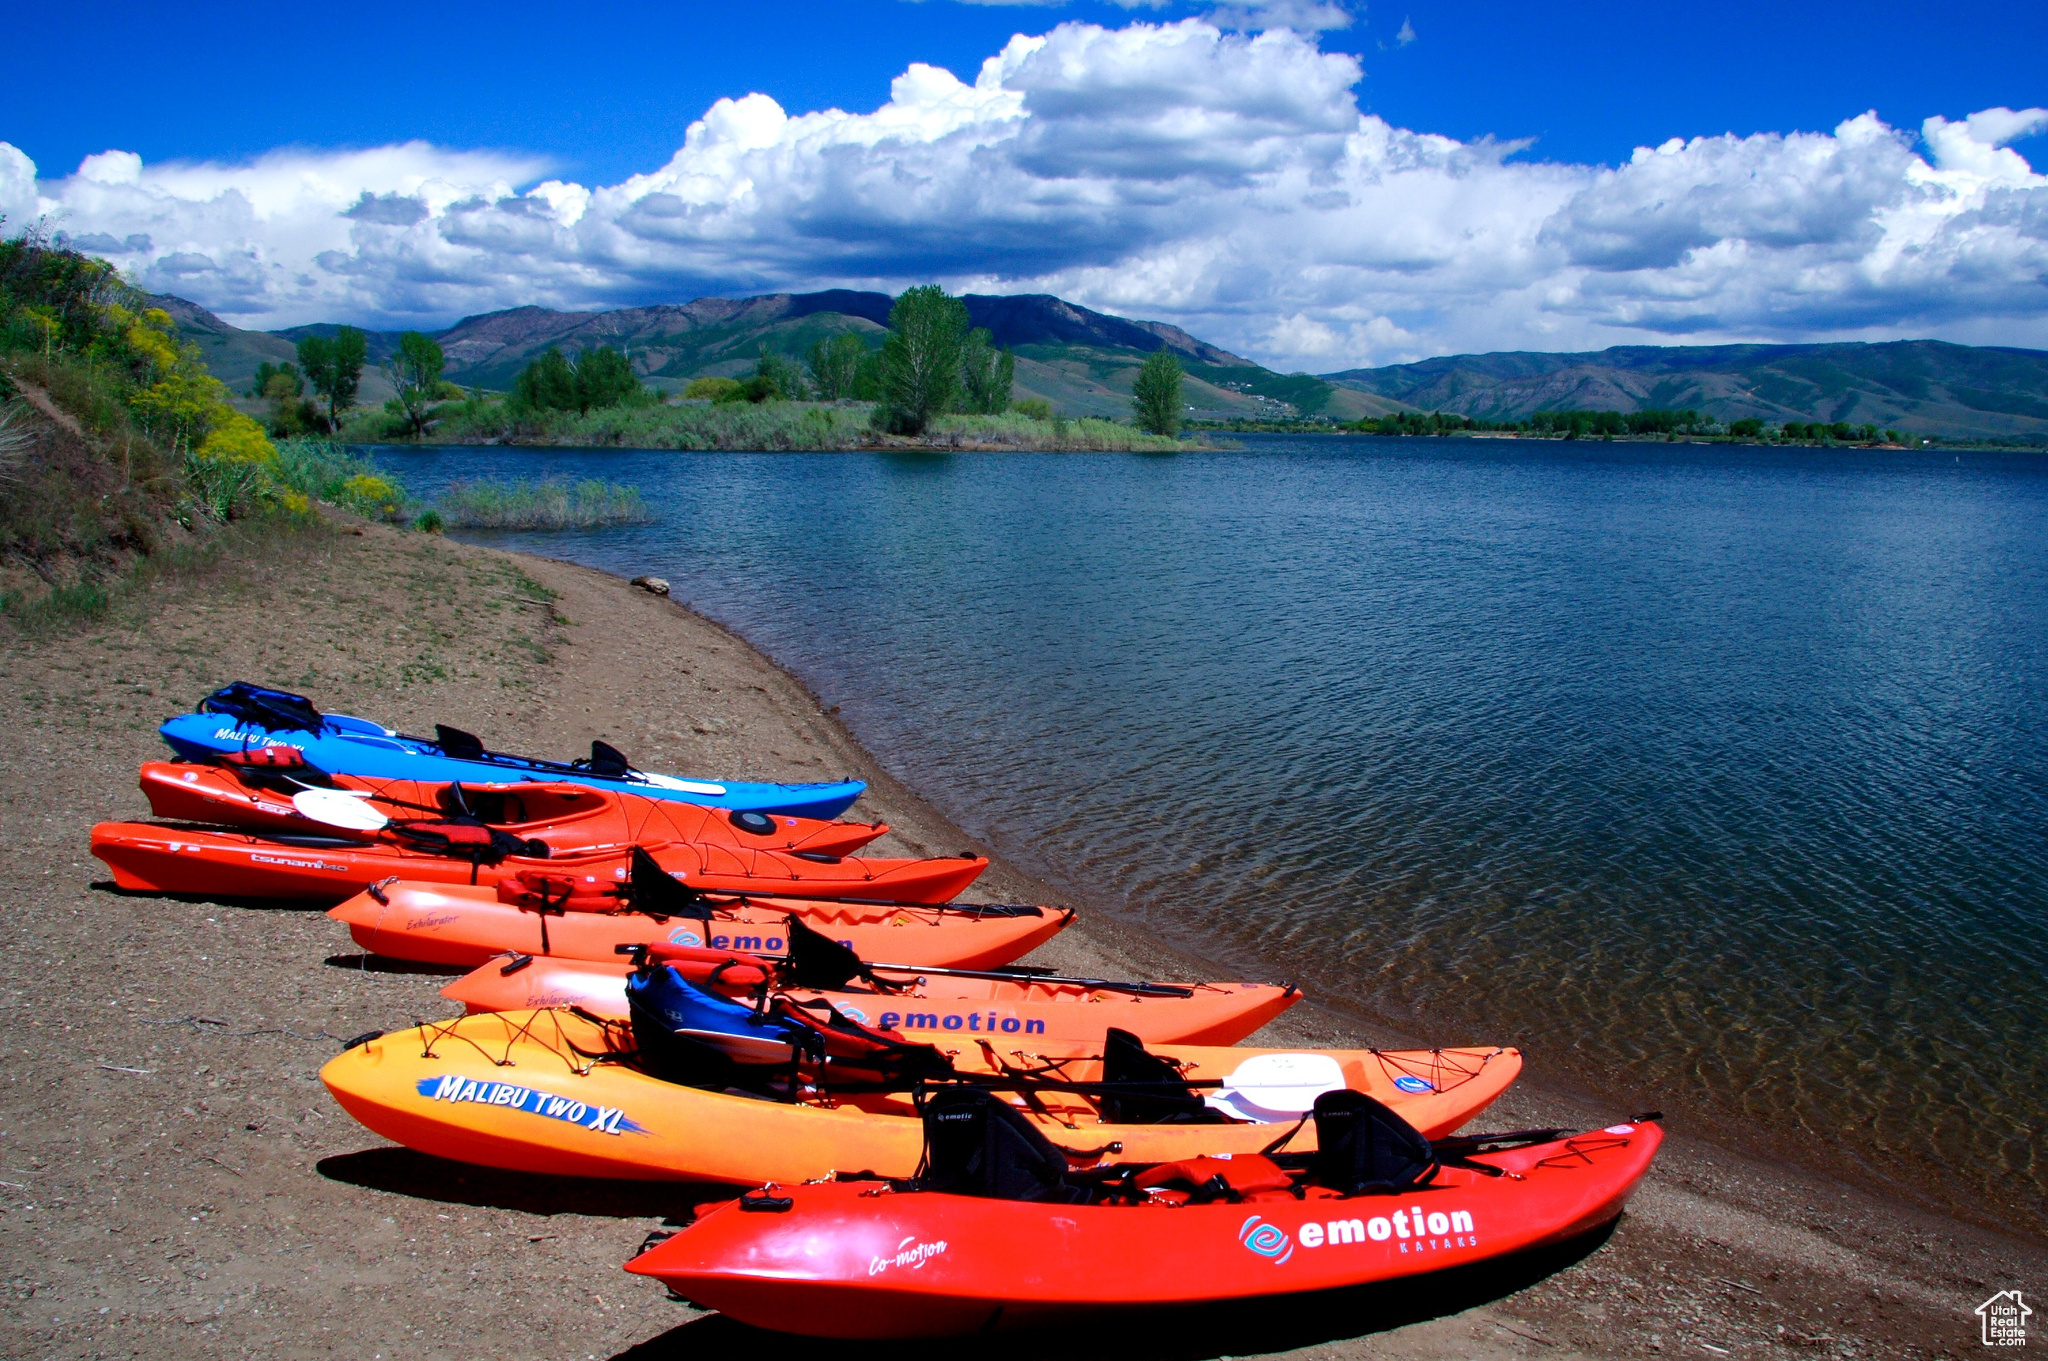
[241, 716]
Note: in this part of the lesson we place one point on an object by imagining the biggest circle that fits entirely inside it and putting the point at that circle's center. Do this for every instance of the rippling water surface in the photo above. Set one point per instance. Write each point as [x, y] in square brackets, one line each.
[1717, 778]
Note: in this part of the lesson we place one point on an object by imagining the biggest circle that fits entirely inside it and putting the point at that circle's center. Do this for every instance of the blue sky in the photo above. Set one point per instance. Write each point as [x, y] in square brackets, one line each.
[1233, 226]
[606, 90]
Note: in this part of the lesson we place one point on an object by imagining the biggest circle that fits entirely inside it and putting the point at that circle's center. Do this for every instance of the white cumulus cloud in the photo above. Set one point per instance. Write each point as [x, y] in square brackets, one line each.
[1220, 178]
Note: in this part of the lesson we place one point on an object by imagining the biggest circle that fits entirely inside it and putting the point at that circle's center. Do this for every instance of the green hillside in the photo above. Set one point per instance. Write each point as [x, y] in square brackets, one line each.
[1081, 361]
[1926, 386]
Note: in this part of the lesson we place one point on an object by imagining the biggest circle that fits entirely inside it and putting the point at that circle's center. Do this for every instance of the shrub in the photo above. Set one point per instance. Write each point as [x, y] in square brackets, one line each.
[332, 473]
[711, 389]
[1037, 408]
[550, 504]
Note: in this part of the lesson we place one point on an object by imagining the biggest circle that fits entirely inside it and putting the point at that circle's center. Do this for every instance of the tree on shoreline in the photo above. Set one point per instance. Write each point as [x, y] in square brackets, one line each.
[987, 374]
[1155, 395]
[416, 372]
[921, 358]
[334, 366]
[835, 365]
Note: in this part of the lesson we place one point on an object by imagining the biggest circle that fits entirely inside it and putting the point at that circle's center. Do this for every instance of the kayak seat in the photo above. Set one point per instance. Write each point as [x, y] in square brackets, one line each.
[468, 840]
[818, 961]
[458, 745]
[608, 762]
[493, 807]
[1363, 1148]
[977, 1144]
[1143, 1089]
[654, 891]
[857, 1055]
[694, 1038]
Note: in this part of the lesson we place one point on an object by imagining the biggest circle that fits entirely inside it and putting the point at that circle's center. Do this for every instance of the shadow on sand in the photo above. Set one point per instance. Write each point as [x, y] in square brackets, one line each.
[384, 964]
[1275, 1324]
[108, 886]
[404, 1172]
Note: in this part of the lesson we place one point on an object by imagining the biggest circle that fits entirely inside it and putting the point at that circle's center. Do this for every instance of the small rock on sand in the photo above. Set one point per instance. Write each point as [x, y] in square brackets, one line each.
[656, 585]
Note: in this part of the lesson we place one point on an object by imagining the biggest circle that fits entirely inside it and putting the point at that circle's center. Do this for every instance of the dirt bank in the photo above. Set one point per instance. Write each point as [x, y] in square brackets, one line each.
[175, 1182]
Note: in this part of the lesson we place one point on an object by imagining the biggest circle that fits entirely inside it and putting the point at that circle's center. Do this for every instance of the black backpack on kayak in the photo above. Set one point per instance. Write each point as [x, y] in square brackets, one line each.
[977, 1144]
[1364, 1149]
[258, 707]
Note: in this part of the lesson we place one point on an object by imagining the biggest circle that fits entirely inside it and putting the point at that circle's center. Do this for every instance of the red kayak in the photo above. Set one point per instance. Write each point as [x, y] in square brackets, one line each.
[457, 924]
[272, 789]
[868, 1259]
[172, 859]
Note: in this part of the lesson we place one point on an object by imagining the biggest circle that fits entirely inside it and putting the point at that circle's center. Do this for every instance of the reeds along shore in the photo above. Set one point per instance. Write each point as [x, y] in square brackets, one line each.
[769, 426]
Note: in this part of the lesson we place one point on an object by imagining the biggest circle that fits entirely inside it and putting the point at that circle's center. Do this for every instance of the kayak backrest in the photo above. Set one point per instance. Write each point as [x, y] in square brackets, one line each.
[1363, 1148]
[655, 891]
[857, 1054]
[457, 744]
[669, 1014]
[977, 1144]
[258, 707]
[495, 807]
[1143, 1089]
[818, 961]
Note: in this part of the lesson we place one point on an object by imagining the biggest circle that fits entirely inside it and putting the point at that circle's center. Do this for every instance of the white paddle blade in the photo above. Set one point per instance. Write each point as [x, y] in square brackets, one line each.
[338, 809]
[683, 786]
[1271, 1087]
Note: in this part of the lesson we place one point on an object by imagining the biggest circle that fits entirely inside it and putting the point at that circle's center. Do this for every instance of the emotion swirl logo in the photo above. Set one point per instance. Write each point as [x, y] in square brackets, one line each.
[1267, 1240]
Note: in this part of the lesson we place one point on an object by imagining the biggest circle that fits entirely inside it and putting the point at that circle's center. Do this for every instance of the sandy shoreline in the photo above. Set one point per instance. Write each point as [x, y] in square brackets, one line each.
[176, 1183]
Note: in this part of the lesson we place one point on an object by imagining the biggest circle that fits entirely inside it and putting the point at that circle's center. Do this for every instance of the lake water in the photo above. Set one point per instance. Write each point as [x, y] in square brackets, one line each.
[1715, 777]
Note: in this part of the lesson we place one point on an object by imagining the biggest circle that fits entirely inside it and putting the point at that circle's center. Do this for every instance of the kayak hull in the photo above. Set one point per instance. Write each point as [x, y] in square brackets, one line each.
[354, 746]
[568, 817]
[161, 858]
[1216, 1013]
[846, 1262]
[459, 925]
[520, 1091]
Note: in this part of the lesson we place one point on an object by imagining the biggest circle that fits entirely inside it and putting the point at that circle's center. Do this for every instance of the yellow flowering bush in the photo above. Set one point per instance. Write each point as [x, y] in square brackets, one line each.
[370, 494]
[235, 436]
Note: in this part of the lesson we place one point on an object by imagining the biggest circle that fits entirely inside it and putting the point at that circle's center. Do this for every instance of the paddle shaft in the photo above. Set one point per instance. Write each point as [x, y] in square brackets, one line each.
[1033, 976]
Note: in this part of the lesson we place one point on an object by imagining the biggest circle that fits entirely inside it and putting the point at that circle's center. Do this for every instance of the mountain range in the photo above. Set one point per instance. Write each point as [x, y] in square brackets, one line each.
[1083, 362]
[1927, 386]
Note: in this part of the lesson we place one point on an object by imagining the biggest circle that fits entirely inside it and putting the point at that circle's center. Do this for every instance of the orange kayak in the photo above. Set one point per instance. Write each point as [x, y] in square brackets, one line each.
[566, 817]
[163, 858]
[534, 1091]
[458, 924]
[1211, 1013]
[859, 1259]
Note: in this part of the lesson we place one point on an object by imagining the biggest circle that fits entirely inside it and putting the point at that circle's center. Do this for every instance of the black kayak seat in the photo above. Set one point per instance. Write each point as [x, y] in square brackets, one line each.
[977, 1144]
[1363, 1148]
